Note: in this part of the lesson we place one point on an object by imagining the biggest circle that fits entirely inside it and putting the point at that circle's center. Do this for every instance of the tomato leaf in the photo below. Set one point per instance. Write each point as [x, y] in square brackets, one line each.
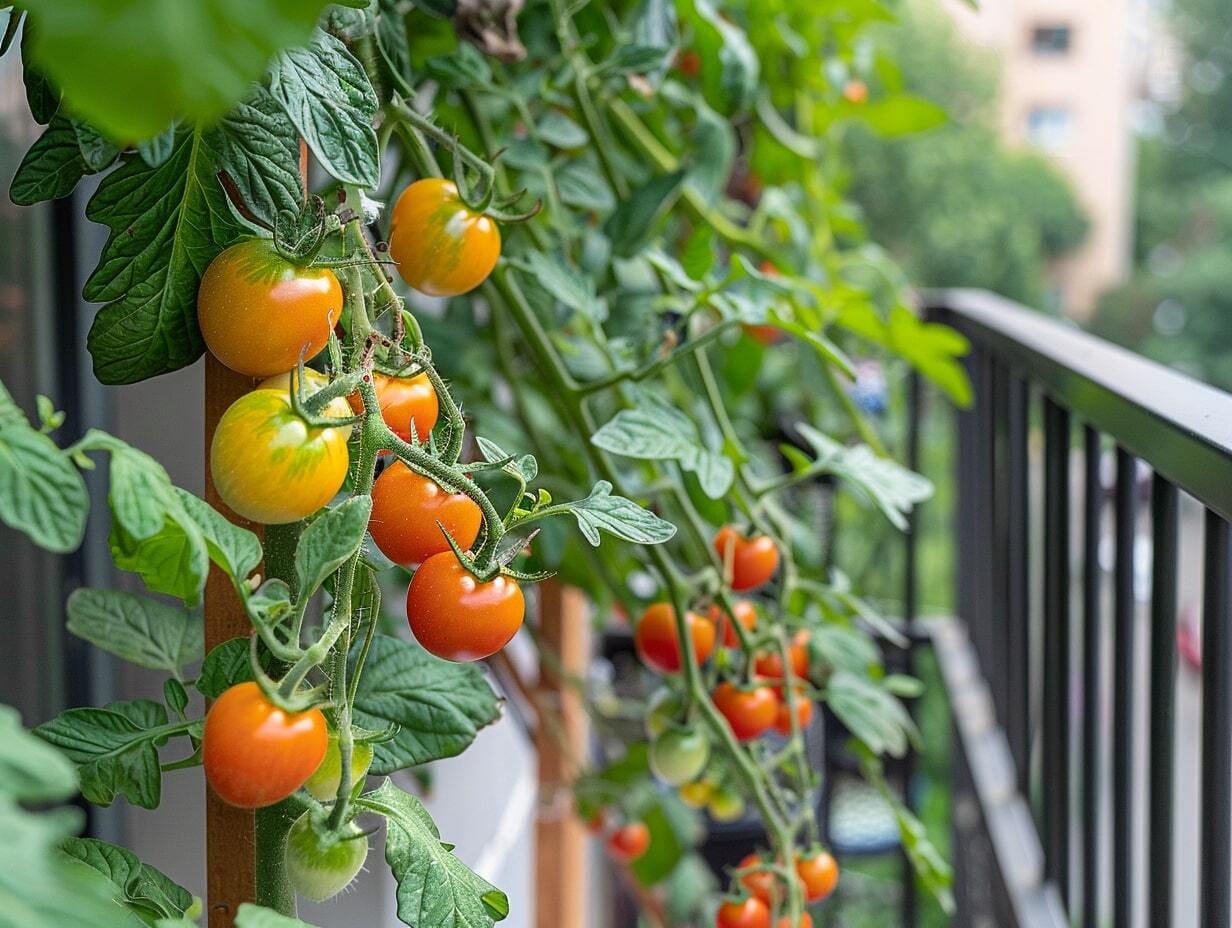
[435, 889]
[871, 713]
[31, 770]
[258, 147]
[730, 68]
[885, 483]
[131, 67]
[141, 630]
[327, 95]
[559, 130]
[654, 430]
[438, 717]
[236, 550]
[226, 665]
[565, 282]
[115, 749]
[167, 223]
[326, 544]
[51, 168]
[258, 916]
[41, 492]
[145, 889]
[601, 511]
[581, 185]
[673, 832]
[631, 223]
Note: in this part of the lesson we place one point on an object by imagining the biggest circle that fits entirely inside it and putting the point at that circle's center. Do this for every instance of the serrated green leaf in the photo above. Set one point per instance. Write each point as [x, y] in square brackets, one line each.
[559, 130]
[601, 511]
[51, 168]
[258, 146]
[236, 550]
[98, 152]
[631, 223]
[328, 542]
[167, 223]
[138, 629]
[258, 916]
[174, 561]
[226, 665]
[565, 282]
[655, 430]
[115, 749]
[730, 69]
[41, 492]
[435, 889]
[327, 94]
[885, 483]
[872, 714]
[157, 148]
[581, 186]
[437, 717]
[145, 889]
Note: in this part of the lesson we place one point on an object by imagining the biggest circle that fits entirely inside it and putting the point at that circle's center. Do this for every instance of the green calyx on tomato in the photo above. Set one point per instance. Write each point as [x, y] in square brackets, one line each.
[459, 617]
[679, 755]
[270, 465]
[256, 754]
[323, 784]
[321, 865]
[260, 314]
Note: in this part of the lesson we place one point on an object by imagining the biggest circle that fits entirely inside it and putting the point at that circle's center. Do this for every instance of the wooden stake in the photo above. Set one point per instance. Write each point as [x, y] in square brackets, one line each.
[230, 850]
[561, 741]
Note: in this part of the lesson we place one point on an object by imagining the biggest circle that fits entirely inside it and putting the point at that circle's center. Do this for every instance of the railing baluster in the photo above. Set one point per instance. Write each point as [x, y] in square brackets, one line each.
[1215, 888]
[999, 543]
[1056, 646]
[1164, 533]
[1122, 690]
[1092, 678]
[1018, 614]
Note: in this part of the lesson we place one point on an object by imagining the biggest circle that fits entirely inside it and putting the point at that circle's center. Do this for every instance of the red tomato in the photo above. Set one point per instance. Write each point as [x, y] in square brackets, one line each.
[457, 617]
[259, 313]
[855, 91]
[689, 62]
[761, 884]
[765, 334]
[743, 913]
[442, 248]
[658, 643]
[254, 753]
[406, 508]
[819, 873]
[769, 664]
[749, 712]
[403, 399]
[629, 842]
[804, 714]
[753, 560]
[746, 615]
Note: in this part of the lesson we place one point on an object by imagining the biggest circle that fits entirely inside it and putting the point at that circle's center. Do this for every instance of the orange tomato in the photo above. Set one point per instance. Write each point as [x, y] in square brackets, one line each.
[769, 664]
[819, 873]
[403, 400]
[749, 712]
[753, 560]
[254, 753]
[259, 313]
[456, 616]
[743, 913]
[629, 842]
[855, 91]
[760, 884]
[406, 508]
[658, 643]
[804, 714]
[806, 921]
[441, 247]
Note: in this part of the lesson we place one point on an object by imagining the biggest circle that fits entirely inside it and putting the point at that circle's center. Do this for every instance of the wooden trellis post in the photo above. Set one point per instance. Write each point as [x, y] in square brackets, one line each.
[561, 739]
[230, 845]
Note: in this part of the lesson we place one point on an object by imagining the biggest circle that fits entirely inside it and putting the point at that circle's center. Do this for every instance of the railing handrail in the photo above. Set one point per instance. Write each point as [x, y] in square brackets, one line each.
[1180, 426]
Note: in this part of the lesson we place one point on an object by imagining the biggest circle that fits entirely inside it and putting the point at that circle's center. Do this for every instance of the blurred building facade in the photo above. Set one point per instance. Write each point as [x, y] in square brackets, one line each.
[1074, 74]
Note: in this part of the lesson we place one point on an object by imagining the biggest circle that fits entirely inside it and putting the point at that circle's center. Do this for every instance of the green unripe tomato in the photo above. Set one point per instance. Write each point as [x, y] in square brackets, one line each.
[662, 712]
[323, 784]
[726, 805]
[679, 755]
[320, 868]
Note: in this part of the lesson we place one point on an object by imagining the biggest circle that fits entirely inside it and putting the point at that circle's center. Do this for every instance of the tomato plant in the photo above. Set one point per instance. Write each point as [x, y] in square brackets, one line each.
[442, 247]
[256, 754]
[657, 638]
[597, 276]
[458, 617]
[260, 314]
[743, 913]
[410, 514]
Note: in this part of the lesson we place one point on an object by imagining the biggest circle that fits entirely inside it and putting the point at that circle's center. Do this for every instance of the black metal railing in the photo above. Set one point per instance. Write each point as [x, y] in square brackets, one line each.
[1050, 826]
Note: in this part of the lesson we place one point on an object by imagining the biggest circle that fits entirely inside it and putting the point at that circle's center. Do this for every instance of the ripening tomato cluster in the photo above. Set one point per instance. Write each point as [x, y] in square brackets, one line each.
[261, 315]
[816, 871]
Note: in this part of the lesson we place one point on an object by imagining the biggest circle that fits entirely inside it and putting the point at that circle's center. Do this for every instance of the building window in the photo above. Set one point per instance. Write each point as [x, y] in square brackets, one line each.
[1050, 40]
[1050, 127]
